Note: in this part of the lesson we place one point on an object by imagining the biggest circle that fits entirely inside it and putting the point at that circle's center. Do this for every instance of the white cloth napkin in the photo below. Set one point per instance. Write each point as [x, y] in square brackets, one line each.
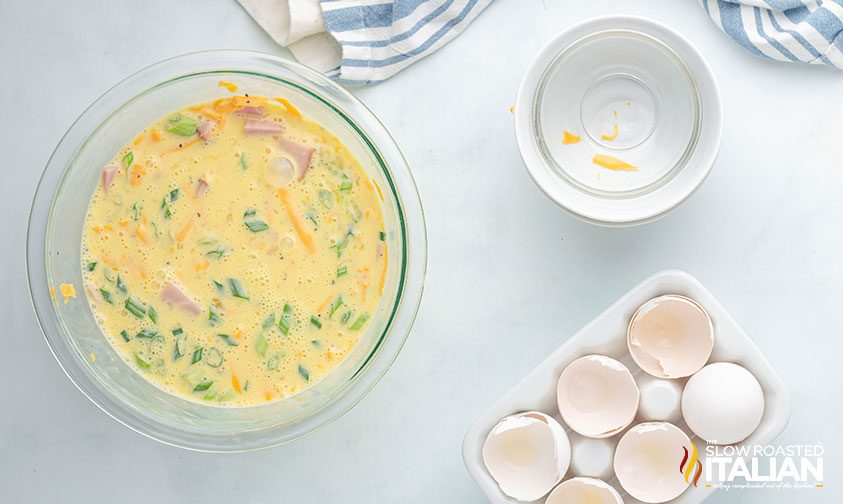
[299, 26]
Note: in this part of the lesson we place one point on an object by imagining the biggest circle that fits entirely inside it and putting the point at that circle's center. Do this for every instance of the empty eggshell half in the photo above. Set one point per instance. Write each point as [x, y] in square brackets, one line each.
[670, 337]
[647, 461]
[723, 403]
[584, 490]
[527, 454]
[597, 396]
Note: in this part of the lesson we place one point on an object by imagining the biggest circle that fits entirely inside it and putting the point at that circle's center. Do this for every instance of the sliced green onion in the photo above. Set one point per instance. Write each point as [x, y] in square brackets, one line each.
[287, 309]
[230, 394]
[143, 364]
[219, 287]
[346, 185]
[341, 245]
[213, 358]
[268, 322]
[315, 321]
[125, 335]
[244, 161]
[228, 339]
[274, 361]
[153, 315]
[174, 195]
[166, 208]
[106, 272]
[135, 211]
[312, 218]
[213, 315]
[346, 317]
[217, 252]
[121, 286]
[246, 386]
[304, 373]
[326, 198]
[284, 326]
[381, 236]
[316, 343]
[342, 271]
[193, 376]
[210, 396]
[203, 386]
[106, 296]
[179, 347]
[256, 226]
[133, 306]
[261, 345]
[361, 320]
[128, 159]
[177, 331]
[181, 125]
[91, 266]
[197, 355]
[335, 306]
[146, 334]
[237, 289]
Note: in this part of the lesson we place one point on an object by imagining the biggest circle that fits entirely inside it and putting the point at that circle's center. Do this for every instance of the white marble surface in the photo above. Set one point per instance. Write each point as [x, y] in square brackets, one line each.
[510, 276]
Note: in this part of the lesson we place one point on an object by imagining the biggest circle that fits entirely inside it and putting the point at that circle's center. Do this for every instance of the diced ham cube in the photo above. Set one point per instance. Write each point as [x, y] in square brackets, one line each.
[205, 129]
[301, 154]
[107, 176]
[175, 296]
[201, 188]
[256, 127]
[252, 111]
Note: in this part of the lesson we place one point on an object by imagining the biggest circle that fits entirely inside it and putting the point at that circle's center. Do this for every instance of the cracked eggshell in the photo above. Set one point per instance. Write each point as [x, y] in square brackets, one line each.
[584, 490]
[670, 337]
[597, 396]
[527, 454]
[647, 461]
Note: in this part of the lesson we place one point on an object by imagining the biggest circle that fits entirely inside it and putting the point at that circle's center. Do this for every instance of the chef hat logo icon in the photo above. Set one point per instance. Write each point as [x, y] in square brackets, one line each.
[690, 462]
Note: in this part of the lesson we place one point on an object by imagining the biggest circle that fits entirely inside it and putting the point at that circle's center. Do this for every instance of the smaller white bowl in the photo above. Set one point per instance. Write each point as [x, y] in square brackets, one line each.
[647, 461]
[584, 490]
[642, 79]
[597, 396]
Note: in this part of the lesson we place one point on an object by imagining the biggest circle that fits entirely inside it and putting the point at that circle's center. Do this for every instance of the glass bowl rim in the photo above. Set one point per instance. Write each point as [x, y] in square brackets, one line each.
[353, 113]
[675, 58]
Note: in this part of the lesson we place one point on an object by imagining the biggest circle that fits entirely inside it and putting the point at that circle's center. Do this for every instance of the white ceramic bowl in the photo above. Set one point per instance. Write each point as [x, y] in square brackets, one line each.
[665, 102]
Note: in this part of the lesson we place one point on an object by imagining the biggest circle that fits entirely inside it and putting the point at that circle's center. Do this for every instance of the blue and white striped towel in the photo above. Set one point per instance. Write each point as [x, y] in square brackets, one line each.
[363, 41]
[808, 31]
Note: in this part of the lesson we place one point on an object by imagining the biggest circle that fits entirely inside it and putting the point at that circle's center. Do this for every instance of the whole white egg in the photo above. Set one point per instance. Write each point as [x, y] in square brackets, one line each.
[723, 403]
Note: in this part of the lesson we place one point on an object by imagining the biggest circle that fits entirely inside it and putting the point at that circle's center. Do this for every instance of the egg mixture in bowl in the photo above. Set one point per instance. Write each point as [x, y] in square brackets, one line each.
[234, 251]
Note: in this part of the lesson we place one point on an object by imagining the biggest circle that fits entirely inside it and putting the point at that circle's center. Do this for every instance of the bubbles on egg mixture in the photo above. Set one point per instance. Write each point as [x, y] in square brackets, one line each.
[275, 269]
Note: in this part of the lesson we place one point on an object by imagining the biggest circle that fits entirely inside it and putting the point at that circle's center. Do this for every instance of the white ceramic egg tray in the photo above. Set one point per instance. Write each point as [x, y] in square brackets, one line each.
[606, 335]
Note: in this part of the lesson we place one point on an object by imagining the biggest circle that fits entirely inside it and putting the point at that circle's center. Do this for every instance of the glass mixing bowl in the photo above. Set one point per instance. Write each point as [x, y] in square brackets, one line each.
[54, 242]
